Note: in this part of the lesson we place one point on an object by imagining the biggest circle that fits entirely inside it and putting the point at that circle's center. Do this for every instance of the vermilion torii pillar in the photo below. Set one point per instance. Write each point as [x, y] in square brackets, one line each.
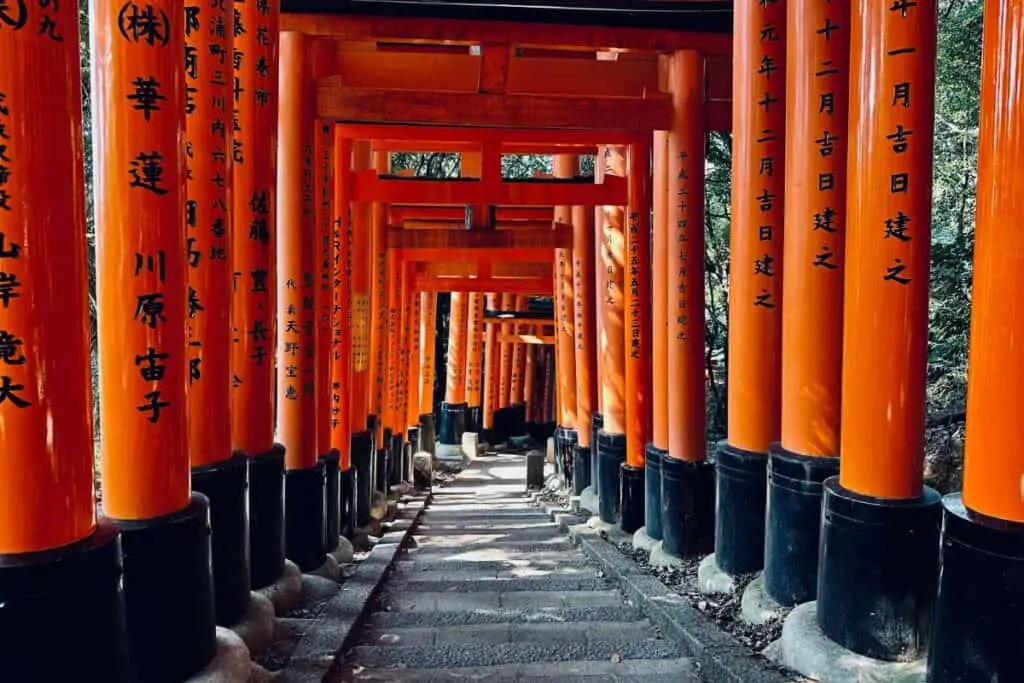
[453, 409]
[565, 166]
[378, 330]
[583, 267]
[656, 449]
[688, 479]
[880, 525]
[59, 564]
[755, 281]
[253, 127]
[637, 329]
[323, 302]
[297, 249]
[817, 77]
[342, 393]
[492, 355]
[363, 450]
[142, 299]
[412, 413]
[223, 478]
[611, 439]
[428, 359]
[474, 362]
[982, 577]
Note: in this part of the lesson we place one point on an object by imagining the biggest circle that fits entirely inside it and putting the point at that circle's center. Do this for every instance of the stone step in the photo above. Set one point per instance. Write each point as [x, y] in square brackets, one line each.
[471, 537]
[457, 550]
[475, 654]
[484, 526]
[502, 633]
[471, 582]
[677, 670]
[494, 554]
[453, 570]
[492, 600]
[553, 615]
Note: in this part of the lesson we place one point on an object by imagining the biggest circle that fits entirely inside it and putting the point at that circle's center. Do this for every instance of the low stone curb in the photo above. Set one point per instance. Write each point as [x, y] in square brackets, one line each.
[331, 632]
[721, 658]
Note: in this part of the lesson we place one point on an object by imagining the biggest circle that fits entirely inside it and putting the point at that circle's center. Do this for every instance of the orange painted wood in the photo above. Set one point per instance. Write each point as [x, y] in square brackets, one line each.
[474, 349]
[569, 77]
[455, 387]
[755, 276]
[408, 70]
[525, 34]
[342, 392]
[428, 332]
[297, 252]
[492, 356]
[659, 295]
[335, 100]
[565, 166]
[391, 370]
[637, 285]
[812, 293]
[994, 455]
[494, 67]
[523, 246]
[526, 286]
[361, 279]
[584, 331]
[687, 430]
[613, 333]
[600, 278]
[378, 302]
[517, 382]
[413, 379]
[505, 371]
[207, 219]
[392, 133]
[47, 496]
[254, 228]
[323, 295]
[527, 338]
[142, 304]
[369, 187]
[888, 238]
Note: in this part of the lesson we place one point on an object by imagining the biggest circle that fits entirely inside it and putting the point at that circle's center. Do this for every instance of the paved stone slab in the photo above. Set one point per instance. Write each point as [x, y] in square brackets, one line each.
[563, 616]
[483, 584]
[680, 670]
[502, 633]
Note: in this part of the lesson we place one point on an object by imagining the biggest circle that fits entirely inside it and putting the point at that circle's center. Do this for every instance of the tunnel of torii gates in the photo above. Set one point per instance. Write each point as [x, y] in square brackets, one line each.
[267, 295]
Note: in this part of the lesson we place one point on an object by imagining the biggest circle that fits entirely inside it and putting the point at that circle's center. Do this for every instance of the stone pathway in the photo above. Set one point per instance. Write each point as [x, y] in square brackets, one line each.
[490, 589]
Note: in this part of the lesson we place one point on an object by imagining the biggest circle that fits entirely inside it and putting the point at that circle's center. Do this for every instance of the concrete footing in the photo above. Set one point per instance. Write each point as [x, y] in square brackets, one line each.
[471, 445]
[660, 558]
[286, 592]
[256, 628]
[711, 580]
[378, 506]
[231, 664]
[450, 455]
[756, 606]
[588, 500]
[344, 553]
[330, 569]
[422, 469]
[806, 650]
[549, 454]
[642, 541]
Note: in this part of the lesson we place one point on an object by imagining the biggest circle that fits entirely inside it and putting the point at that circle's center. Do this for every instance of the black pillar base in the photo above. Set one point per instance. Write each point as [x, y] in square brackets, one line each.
[499, 426]
[794, 524]
[565, 439]
[580, 468]
[517, 420]
[305, 517]
[534, 470]
[742, 480]
[878, 571]
[168, 594]
[611, 454]
[632, 508]
[62, 612]
[381, 474]
[226, 485]
[396, 461]
[362, 462]
[652, 490]
[976, 635]
[687, 507]
[452, 424]
[596, 424]
[266, 517]
[332, 497]
[426, 434]
[347, 502]
[474, 419]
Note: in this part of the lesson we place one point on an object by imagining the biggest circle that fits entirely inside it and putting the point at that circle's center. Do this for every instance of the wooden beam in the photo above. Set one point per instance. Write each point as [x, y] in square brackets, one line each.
[527, 338]
[369, 187]
[523, 241]
[527, 286]
[338, 102]
[494, 68]
[582, 77]
[500, 269]
[523, 34]
[408, 71]
[505, 137]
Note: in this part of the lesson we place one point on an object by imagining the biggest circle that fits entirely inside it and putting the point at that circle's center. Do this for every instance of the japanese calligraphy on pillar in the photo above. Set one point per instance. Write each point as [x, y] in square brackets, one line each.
[207, 70]
[13, 391]
[324, 300]
[634, 285]
[253, 135]
[909, 102]
[769, 118]
[340, 287]
[142, 289]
